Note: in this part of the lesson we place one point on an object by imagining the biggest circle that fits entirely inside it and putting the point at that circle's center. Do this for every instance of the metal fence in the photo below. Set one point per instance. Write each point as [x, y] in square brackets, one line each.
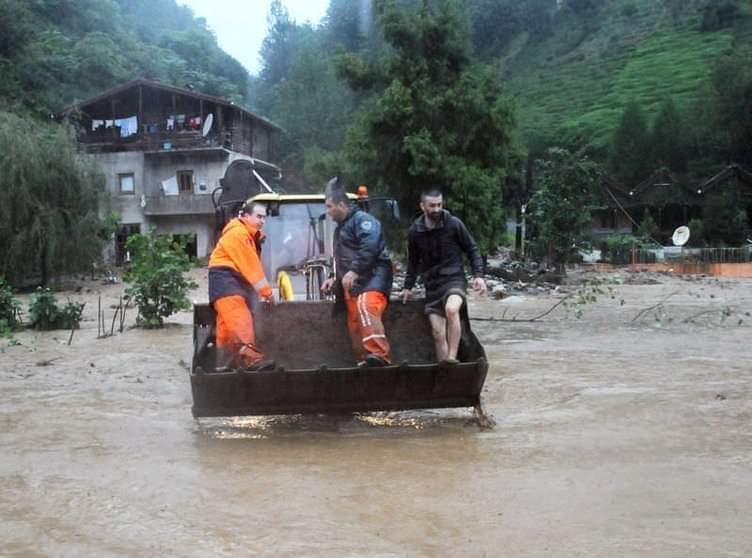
[675, 254]
[720, 255]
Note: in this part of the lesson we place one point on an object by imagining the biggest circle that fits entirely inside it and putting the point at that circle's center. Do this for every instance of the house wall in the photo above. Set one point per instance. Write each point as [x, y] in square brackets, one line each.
[153, 154]
[114, 164]
[207, 167]
[200, 225]
[149, 171]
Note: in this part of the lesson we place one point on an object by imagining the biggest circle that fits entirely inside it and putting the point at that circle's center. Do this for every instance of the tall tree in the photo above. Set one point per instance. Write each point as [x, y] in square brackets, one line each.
[732, 99]
[494, 24]
[314, 107]
[278, 52]
[436, 120]
[631, 158]
[669, 147]
[349, 23]
[48, 202]
[560, 208]
[725, 219]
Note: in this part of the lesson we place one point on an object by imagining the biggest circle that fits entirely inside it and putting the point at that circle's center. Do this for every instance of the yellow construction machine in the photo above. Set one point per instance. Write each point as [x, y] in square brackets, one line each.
[308, 339]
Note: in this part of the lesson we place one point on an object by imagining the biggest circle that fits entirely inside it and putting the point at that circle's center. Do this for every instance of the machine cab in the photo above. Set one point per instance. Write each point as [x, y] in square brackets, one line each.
[298, 251]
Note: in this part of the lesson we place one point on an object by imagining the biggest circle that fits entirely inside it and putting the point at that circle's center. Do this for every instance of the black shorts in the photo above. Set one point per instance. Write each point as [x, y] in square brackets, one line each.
[437, 304]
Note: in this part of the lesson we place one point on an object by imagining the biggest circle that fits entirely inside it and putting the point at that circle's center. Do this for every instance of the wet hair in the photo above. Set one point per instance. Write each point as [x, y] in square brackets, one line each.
[432, 193]
[335, 191]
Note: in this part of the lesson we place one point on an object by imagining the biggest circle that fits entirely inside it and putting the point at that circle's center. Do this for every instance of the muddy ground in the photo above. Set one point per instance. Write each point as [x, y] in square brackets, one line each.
[625, 432]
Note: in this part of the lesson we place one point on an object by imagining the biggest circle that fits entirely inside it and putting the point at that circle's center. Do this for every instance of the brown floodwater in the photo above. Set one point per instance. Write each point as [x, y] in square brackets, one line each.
[614, 438]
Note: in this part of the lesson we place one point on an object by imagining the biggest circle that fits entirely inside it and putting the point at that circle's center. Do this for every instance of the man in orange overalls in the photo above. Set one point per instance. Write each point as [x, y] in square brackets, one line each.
[365, 272]
[236, 278]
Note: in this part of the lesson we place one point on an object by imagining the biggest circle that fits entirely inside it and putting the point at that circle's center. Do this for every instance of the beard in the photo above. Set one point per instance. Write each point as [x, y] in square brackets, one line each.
[434, 216]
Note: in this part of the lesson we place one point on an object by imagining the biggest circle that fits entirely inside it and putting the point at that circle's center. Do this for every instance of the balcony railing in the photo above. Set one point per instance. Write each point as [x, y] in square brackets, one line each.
[182, 204]
[109, 140]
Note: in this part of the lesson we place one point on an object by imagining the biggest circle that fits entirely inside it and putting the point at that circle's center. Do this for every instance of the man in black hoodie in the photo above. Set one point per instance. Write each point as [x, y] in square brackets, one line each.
[436, 243]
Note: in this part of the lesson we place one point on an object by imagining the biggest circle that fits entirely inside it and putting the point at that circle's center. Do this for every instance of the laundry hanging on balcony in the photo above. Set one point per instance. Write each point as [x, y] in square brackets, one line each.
[170, 186]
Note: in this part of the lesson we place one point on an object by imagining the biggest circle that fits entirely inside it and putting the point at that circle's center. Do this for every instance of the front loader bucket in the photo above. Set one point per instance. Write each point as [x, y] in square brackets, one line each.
[316, 371]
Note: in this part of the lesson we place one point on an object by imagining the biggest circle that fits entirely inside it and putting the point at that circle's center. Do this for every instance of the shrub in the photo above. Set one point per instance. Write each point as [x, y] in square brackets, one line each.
[9, 309]
[156, 275]
[69, 316]
[43, 310]
[45, 314]
[617, 248]
[648, 229]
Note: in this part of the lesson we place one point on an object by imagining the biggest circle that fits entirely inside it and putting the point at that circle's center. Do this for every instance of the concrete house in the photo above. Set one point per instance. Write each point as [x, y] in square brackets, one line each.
[163, 150]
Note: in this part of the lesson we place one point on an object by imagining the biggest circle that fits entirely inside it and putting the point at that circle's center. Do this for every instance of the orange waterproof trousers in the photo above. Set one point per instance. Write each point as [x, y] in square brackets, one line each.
[364, 323]
[235, 333]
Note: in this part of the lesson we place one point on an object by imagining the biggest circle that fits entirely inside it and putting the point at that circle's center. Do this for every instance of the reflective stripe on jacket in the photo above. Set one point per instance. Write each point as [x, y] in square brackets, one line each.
[235, 262]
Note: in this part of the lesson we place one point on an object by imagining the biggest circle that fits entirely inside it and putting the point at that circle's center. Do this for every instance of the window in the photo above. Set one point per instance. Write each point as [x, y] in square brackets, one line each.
[127, 183]
[185, 181]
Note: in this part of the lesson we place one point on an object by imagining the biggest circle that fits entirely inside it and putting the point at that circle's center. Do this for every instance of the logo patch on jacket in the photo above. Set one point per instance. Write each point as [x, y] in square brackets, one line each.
[366, 225]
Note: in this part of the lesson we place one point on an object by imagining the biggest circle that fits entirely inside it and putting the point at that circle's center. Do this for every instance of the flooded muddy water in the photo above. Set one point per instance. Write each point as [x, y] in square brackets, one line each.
[614, 438]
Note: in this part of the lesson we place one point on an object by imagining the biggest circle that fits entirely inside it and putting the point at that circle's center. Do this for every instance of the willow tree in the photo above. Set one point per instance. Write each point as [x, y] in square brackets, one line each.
[435, 119]
[48, 202]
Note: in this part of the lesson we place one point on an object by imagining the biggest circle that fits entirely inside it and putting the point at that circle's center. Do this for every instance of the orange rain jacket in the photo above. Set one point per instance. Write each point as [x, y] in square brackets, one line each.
[235, 263]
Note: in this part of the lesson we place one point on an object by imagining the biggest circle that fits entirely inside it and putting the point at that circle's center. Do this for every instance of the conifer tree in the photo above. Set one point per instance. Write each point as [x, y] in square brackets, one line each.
[669, 147]
[435, 120]
[631, 158]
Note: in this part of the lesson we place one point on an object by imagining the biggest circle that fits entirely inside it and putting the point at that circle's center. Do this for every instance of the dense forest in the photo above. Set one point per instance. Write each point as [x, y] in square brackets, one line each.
[580, 90]
[572, 67]
[54, 52]
[473, 96]
[635, 84]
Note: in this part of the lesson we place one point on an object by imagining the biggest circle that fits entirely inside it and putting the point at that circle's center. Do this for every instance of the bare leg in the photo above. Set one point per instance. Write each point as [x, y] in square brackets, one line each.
[453, 325]
[439, 331]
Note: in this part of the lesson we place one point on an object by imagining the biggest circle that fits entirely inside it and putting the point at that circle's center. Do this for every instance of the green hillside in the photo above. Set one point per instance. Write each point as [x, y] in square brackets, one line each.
[572, 85]
[54, 52]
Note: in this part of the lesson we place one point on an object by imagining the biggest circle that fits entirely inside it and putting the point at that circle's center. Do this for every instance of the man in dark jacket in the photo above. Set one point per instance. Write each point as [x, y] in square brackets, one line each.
[436, 243]
[364, 270]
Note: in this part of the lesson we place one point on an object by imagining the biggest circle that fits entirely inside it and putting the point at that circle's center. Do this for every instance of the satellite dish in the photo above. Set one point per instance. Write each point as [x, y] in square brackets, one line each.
[680, 236]
[207, 124]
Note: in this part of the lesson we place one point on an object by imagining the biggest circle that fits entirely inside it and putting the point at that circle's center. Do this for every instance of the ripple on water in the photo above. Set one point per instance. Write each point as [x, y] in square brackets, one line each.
[264, 427]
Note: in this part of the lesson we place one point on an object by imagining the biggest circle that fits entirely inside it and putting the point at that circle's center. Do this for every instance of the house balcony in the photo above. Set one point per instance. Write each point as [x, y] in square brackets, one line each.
[182, 204]
[108, 140]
